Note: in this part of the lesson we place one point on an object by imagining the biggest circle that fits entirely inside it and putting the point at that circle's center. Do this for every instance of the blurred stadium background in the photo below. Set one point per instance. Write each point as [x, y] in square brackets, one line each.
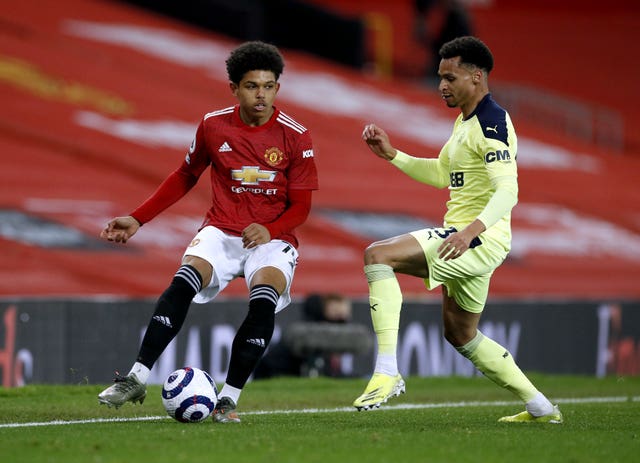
[100, 100]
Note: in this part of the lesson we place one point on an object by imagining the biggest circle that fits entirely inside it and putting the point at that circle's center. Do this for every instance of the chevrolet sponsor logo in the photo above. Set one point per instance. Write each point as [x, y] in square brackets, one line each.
[253, 175]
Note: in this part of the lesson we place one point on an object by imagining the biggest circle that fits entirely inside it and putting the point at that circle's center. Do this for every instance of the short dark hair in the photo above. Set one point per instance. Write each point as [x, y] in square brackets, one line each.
[254, 56]
[471, 50]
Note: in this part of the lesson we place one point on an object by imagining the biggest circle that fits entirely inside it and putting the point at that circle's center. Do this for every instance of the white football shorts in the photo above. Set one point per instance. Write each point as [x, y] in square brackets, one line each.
[230, 260]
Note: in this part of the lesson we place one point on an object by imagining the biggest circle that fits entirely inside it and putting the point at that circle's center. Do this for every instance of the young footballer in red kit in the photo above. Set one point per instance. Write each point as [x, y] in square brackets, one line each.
[262, 171]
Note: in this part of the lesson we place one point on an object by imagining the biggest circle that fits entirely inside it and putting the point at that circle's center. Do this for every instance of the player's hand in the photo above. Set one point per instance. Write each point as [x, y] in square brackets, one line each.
[120, 229]
[453, 247]
[254, 235]
[378, 141]
[458, 243]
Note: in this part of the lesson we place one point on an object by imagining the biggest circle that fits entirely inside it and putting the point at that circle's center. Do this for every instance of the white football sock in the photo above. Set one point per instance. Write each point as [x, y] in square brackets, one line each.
[232, 392]
[387, 364]
[539, 405]
[141, 372]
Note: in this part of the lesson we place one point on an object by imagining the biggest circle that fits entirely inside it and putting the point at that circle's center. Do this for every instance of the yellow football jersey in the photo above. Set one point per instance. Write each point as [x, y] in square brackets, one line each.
[478, 159]
[481, 150]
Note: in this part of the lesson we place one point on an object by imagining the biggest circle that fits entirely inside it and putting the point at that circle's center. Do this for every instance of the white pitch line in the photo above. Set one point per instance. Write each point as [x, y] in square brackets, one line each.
[90, 421]
[584, 400]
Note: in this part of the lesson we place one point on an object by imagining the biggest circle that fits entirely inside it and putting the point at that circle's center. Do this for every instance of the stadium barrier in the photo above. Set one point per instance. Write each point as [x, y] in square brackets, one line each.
[84, 341]
[259, 20]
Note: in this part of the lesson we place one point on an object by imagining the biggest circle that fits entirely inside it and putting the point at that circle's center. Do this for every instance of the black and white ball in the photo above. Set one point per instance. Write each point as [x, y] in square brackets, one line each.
[189, 395]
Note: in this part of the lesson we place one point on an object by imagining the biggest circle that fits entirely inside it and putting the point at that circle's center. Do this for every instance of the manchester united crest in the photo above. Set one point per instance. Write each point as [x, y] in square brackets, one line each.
[273, 156]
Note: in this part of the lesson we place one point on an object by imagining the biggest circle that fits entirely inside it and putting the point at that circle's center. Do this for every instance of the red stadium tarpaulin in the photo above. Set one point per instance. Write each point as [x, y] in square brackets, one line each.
[100, 102]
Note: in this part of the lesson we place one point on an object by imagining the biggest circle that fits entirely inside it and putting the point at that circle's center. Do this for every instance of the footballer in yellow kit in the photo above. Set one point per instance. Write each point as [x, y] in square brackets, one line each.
[478, 165]
[479, 156]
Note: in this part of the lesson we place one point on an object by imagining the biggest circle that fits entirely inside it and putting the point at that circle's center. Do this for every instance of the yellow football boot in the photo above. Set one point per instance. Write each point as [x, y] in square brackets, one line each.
[381, 388]
[554, 417]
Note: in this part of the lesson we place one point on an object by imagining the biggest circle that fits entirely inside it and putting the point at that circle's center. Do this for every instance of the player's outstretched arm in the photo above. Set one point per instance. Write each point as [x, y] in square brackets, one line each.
[425, 170]
[378, 141]
[120, 229]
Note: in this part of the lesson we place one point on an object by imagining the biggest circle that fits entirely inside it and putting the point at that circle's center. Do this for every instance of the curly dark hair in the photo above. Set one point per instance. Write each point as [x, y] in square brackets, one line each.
[471, 50]
[254, 56]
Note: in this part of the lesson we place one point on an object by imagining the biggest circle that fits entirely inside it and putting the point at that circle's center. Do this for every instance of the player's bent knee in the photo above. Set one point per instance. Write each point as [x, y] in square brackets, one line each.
[376, 253]
[202, 266]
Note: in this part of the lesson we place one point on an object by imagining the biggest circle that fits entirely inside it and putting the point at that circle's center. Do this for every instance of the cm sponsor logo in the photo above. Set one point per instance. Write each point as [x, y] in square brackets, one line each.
[498, 155]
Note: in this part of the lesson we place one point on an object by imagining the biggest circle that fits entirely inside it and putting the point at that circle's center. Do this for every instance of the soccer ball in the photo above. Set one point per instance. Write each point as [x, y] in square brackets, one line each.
[189, 395]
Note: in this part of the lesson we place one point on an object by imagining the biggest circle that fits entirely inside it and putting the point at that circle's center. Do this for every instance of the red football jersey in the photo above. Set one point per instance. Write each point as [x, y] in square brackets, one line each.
[252, 168]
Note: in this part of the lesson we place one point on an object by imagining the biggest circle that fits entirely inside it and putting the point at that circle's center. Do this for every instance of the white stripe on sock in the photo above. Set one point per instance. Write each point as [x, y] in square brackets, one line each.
[264, 292]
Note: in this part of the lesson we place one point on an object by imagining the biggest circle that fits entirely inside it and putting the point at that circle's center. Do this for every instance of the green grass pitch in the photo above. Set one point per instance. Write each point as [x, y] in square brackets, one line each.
[301, 420]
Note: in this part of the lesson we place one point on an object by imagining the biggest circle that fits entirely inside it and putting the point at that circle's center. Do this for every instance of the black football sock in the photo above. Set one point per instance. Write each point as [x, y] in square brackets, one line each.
[171, 311]
[253, 336]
